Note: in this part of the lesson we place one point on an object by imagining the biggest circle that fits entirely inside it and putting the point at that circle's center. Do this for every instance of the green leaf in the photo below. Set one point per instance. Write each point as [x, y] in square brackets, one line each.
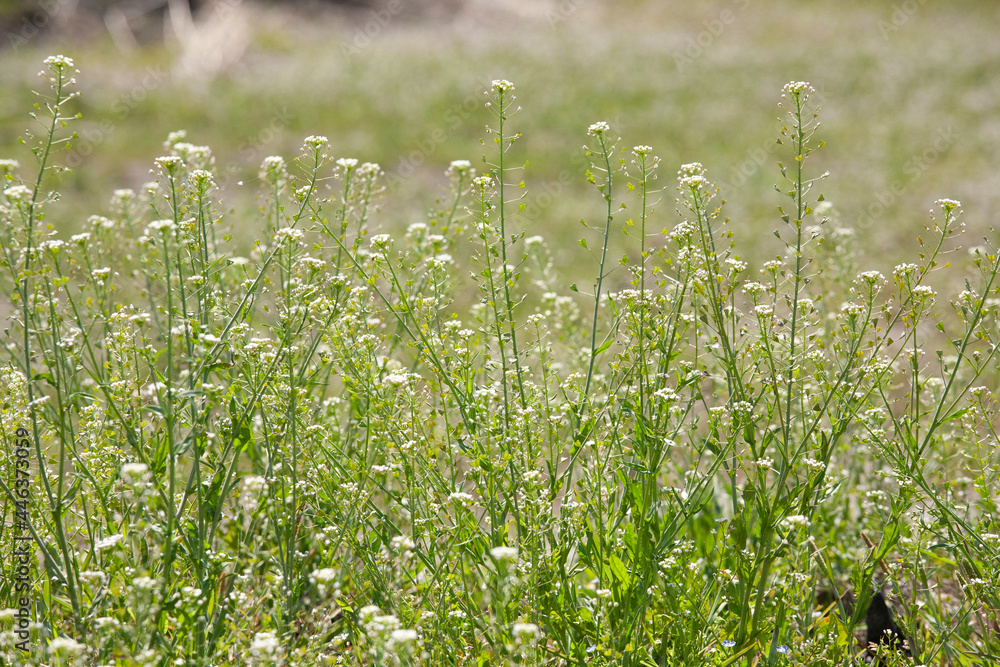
[619, 570]
[738, 529]
[955, 415]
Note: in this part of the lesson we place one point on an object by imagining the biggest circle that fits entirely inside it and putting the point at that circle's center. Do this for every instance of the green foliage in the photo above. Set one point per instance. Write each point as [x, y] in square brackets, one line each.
[310, 456]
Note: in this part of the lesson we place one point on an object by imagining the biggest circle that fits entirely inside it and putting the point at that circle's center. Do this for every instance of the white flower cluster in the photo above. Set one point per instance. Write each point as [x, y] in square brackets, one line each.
[598, 129]
[904, 271]
[315, 142]
[797, 88]
[501, 86]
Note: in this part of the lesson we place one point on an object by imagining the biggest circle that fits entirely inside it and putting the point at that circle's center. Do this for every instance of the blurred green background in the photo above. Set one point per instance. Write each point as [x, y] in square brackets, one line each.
[910, 93]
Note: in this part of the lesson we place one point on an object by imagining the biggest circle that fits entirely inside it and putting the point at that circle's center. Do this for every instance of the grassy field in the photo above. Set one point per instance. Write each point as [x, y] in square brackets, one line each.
[910, 109]
[278, 404]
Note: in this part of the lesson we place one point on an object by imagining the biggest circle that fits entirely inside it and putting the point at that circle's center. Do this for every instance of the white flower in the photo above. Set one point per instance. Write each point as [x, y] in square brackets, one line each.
[459, 167]
[461, 498]
[404, 636]
[169, 163]
[315, 142]
[108, 542]
[95, 575]
[323, 576]
[54, 245]
[754, 289]
[160, 226]
[201, 178]
[67, 644]
[191, 153]
[402, 543]
[174, 138]
[795, 520]
[525, 632]
[948, 204]
[312, 263]
[763, 310]
[696, 182]
[902, 271]
[380, 240]
[9, 164]
[265, 644]
[254, 483]
[366, 612]
[736, 265]
[502, 86]
[273, 162]
[347, 163]
[59, 62]
[504, 553]
[290, 233]
[131, 472]
[369, 169]
[798, 87]
[691, 169]
[144, 583]
[666, 394]
[598, 128]
[851, 308]
[395, 380]
[814, 464]
[872, 277]
[18, 193]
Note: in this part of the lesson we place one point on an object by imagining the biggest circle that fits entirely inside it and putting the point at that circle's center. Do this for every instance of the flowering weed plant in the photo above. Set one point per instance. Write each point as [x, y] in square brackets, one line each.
[319, 454]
